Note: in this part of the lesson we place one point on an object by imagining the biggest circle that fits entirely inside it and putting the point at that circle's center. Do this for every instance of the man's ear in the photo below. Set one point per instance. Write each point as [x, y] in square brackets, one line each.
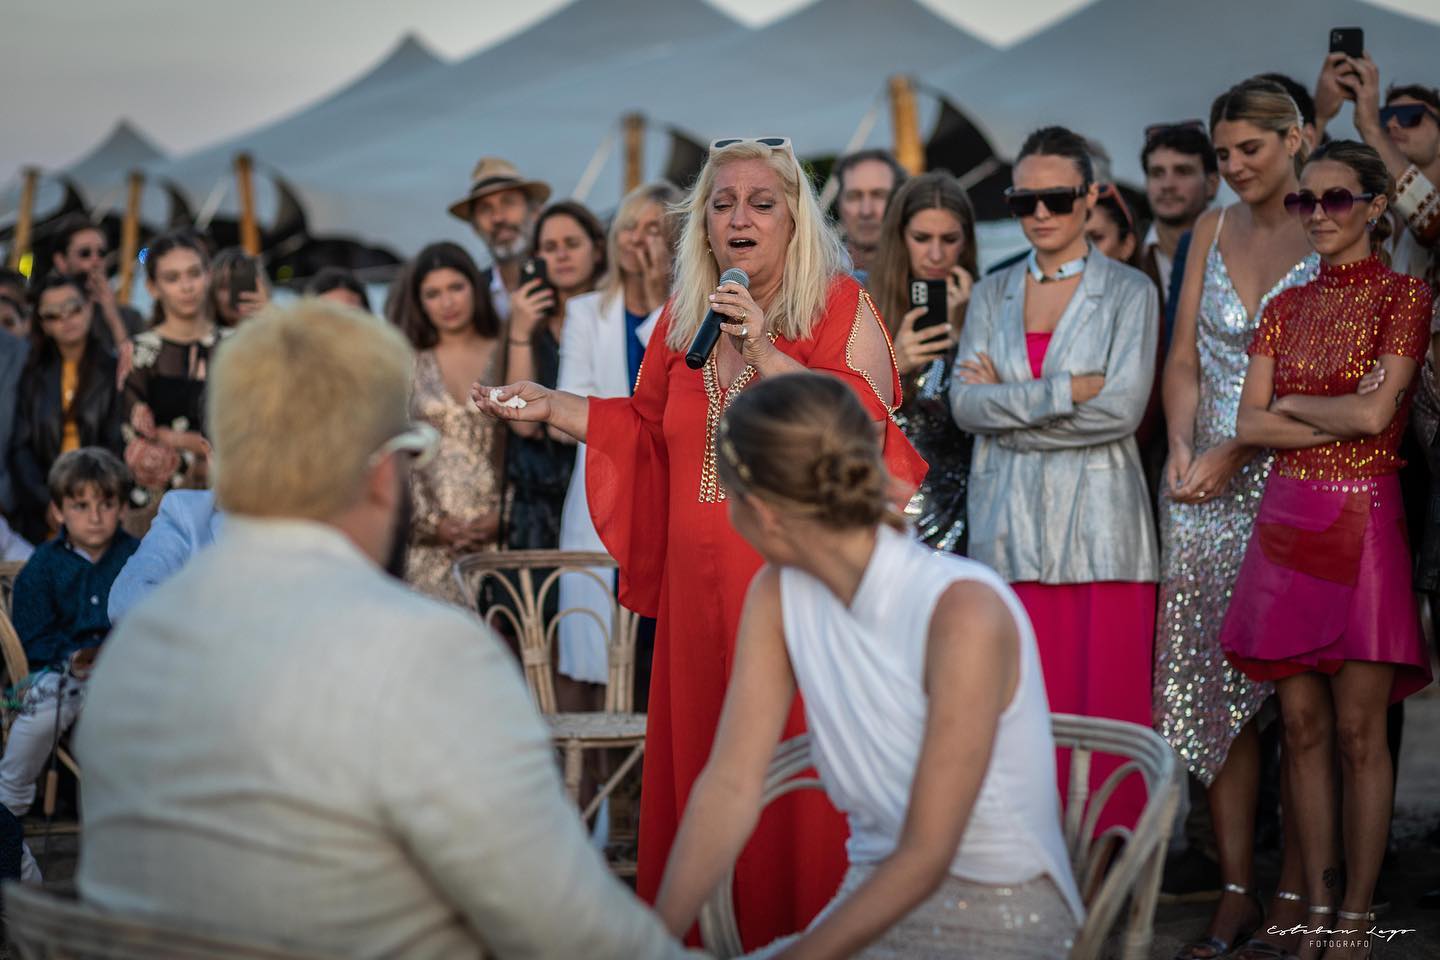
[382, 488]
[57, 519]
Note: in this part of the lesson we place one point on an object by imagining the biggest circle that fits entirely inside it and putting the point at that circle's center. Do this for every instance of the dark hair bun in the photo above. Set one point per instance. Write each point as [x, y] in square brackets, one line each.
[849, 486]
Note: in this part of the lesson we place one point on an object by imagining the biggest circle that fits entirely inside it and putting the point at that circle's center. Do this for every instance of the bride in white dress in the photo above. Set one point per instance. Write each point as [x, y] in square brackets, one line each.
[923, 695]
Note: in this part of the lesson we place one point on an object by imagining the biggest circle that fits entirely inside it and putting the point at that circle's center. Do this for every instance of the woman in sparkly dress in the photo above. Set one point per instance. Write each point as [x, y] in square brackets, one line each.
[1323, 606]
[456, 497]
[929, 234]
[1204, 707]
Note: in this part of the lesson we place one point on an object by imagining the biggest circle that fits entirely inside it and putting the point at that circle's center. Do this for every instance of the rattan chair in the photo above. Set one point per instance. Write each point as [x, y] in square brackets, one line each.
[45, 926]
[1133, 875]
[17, 670]
[519, 583]
[9, 570]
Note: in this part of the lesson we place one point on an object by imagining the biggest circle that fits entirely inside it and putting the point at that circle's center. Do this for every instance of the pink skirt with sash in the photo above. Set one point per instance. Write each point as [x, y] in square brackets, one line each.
[1326, 580]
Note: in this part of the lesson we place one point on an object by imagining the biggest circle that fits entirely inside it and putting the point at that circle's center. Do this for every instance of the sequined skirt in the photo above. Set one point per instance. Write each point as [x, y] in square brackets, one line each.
[1201, 702]
[1326, 580]
[964, 919]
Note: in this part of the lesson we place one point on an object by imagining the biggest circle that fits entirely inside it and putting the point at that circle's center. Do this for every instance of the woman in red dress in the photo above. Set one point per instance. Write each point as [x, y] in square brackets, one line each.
[1323, 605]
[659, 505]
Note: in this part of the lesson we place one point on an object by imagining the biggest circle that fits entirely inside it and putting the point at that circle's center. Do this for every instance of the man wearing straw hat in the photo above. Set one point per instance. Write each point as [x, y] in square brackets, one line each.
[501, 205]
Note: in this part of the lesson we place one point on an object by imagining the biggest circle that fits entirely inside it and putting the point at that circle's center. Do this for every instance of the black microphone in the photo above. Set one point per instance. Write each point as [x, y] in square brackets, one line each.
[709, 333]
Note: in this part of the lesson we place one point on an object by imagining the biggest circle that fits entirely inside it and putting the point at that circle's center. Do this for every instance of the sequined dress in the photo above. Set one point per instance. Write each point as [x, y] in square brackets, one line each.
[937, 510]
[1201, 702]
[462, 482]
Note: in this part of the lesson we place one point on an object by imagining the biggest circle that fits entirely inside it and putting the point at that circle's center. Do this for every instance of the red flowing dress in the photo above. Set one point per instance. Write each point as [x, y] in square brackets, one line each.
[659, 508]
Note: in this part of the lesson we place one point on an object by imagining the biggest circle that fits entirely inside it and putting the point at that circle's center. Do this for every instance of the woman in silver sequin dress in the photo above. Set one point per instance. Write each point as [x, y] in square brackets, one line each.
[929, 234]
[1239, 256]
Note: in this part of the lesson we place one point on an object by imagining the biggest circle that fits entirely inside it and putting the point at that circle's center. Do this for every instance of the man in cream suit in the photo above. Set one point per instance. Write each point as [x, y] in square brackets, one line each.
[283, 742]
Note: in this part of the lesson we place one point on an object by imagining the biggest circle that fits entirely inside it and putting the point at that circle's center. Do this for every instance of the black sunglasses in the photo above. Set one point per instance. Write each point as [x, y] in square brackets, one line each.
[1059, 200]
[1407, 115]
[1336, 202]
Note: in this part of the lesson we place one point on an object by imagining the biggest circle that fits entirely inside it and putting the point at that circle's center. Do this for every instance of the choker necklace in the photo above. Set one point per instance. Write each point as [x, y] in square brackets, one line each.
[1071, 268]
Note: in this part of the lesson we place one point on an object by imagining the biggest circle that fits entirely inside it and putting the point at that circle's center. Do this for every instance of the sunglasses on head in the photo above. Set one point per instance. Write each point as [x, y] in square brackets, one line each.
[1108, 192]
[774, 143]
[1407, 115]
[1058, 200]
[421, 441]
[1156, 129]
[1336, 202]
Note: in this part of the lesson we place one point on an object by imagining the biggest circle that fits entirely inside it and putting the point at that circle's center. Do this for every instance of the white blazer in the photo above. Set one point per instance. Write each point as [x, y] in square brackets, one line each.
[593, 363]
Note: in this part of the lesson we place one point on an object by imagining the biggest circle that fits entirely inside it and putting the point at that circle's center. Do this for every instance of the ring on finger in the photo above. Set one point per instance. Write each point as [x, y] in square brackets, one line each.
[743, 315]
[745, 331]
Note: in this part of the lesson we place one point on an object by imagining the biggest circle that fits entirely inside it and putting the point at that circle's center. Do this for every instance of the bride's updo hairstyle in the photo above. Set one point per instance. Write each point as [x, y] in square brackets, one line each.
[804, 443]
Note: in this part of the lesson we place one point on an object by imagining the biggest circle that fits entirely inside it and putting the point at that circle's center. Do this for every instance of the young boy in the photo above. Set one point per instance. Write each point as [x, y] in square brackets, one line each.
[60, 613]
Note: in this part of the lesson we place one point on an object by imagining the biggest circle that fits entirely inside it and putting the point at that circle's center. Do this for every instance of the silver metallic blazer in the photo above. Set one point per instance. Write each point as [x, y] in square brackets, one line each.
[1057, 494]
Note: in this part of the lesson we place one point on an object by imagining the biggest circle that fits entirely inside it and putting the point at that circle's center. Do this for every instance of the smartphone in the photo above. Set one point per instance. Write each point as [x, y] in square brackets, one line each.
[534, 269]
[929, 294]
[1348, 40]
[244, 278]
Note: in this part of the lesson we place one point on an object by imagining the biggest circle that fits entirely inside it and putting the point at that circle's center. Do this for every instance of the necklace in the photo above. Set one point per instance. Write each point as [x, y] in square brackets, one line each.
[1068, 269]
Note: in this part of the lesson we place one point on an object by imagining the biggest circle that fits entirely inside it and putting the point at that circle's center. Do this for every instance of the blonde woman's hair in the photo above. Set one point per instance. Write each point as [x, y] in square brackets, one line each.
[804, 443]
[300, 398]
[1265, 104]
[813, 257]
[660, 192]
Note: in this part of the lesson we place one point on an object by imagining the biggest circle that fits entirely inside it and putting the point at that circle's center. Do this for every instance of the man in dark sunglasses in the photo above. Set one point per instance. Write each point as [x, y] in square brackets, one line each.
[82, 250]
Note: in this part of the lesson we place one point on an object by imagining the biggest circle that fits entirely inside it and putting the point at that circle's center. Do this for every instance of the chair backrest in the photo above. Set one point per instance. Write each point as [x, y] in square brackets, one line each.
[43, 926]
[1134, 873]
[520, 584]
[9, 570]
[17, 668]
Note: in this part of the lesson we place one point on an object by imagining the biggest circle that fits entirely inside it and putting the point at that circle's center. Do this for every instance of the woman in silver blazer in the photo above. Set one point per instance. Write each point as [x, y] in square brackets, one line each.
[1053, 373]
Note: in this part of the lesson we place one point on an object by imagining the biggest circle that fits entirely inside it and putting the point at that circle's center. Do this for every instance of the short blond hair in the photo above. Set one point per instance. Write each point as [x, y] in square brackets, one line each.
[299, 399]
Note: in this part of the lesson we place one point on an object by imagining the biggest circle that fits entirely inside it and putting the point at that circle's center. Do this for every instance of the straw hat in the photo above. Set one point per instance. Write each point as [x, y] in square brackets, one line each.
[492, 175]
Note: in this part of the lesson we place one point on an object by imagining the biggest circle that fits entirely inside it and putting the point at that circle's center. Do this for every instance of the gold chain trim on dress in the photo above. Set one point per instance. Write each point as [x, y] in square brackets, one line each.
[711, 489]
[860, 303]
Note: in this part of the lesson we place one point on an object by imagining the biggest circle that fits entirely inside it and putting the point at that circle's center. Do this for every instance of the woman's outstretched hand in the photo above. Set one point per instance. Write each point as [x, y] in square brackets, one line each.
[533, 404]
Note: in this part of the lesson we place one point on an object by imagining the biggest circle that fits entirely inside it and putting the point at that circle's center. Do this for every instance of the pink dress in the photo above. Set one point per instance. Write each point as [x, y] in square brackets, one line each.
[1326, 576]
[1096, 642]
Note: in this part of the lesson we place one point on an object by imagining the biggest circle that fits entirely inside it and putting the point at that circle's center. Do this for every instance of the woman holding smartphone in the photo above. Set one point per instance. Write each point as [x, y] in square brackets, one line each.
[927, 245]
[569, 244]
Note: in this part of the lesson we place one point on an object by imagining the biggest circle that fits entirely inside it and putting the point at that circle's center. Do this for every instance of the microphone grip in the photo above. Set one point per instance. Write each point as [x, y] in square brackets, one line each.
[704, 343]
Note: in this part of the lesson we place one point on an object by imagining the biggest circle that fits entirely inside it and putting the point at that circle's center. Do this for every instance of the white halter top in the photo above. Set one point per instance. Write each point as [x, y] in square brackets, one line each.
[861, 671]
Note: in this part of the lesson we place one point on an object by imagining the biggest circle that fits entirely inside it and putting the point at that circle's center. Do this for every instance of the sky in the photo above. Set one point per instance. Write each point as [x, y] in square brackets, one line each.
[191, 74]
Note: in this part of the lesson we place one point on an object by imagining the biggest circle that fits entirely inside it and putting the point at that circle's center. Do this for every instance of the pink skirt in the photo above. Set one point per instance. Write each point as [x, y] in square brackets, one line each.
[1326, 580]
[1096, 643]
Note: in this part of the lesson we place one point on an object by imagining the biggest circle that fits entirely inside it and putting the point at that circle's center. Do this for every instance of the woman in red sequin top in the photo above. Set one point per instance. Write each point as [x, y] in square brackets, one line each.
[1323, 604]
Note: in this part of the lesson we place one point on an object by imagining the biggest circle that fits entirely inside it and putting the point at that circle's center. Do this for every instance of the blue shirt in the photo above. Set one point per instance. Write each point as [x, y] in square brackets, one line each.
[62, 599]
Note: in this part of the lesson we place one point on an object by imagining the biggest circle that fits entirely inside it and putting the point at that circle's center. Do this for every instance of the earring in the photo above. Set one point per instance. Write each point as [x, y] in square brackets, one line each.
[1370, 224]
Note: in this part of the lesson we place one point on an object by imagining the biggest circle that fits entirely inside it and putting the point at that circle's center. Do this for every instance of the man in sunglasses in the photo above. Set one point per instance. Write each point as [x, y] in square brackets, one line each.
[1406, 134]
[81, 250]
[287, 742]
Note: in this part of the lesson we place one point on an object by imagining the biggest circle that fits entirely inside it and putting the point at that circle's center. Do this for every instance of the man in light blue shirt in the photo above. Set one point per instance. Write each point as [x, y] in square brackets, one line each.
[188, 521]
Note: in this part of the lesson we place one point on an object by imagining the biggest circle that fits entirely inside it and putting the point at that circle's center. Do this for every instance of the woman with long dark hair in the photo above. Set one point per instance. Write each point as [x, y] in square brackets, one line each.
[452, 325]
[165, 389]
[67, 397]
[929, 235]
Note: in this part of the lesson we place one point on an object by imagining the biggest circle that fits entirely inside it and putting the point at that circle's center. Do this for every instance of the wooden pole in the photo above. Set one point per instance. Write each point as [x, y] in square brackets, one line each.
[909, 149]
[130, 235]
[634, 150]
[245, 189]
[20, 242]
